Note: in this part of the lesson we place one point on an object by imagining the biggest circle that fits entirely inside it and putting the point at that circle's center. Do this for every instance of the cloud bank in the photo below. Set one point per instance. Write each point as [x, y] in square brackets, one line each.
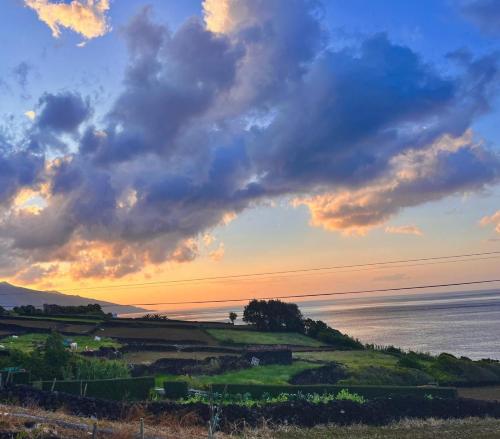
[218, 116]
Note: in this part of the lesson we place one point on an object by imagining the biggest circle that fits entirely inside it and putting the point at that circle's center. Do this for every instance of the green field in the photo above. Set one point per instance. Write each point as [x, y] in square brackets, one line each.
[273, 374]
[235, 336]
[28, 342]
[353, 360]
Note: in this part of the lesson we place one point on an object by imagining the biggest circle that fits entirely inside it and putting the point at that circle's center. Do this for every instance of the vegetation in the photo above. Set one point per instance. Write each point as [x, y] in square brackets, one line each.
[272, 374]
[30, 342]
[118, 389]
[247, 400]
[175, 389]
[232, 317]
[240, 336]
[321, 331]
[157, 317]
[52, 309]
[257, 391]
[274, 315]
[53, 360]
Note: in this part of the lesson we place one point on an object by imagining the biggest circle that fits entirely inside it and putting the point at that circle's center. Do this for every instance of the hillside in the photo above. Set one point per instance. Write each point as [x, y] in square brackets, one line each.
[12, 295]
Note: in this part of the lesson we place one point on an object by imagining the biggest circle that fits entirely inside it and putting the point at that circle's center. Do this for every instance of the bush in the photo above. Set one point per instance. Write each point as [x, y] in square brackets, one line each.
[321, 331]
[409, 362]
[369, 392]
[98, 369]
[175, 389]
[115, 389]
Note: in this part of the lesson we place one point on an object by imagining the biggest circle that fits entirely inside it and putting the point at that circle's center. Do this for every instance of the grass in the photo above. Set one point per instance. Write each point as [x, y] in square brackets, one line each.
[235, 336]
[273, 374]
[28, 342]
[477, 428]
[353, 360]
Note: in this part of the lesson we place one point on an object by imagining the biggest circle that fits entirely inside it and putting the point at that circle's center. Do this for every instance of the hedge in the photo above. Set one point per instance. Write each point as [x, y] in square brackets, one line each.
[16, 377]
[116, 389]
[368, 392]
[175, 389]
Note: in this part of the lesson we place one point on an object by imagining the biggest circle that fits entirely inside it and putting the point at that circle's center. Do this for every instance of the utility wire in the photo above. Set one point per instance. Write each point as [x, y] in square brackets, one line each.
[295, 296]
[300, 270]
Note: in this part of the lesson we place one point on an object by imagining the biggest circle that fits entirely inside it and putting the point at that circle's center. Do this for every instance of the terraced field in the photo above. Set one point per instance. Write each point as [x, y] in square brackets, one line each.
[147, 357]
[28, 342]
[63, 326]
[167, 334]
[353, 360]
[238, 336]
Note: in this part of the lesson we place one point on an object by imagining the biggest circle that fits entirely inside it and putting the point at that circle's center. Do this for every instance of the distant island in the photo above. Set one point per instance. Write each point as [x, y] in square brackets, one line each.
[12, 296]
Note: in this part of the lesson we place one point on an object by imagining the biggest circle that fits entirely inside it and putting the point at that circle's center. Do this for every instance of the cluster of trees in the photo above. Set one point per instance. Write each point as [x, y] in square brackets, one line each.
[275, 315]
[157, 317]
[93, 309]
[54, 360]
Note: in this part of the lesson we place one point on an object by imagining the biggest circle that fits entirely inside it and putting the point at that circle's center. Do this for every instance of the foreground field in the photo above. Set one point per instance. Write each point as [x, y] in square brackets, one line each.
[19, 422]
[471, 428]
[262, 338]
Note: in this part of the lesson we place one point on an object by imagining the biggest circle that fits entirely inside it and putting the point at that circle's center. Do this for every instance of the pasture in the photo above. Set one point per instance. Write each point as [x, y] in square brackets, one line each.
[244, 337]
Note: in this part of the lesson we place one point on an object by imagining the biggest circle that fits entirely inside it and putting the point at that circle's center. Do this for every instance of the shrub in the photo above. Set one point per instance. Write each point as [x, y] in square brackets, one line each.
[409, 362]
[98, 369]
[321, 331]
[175, 389]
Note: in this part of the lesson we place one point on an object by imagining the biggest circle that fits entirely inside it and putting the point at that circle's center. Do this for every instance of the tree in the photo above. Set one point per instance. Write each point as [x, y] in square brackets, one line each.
[274, 315]
[233, 316]
[55, 356]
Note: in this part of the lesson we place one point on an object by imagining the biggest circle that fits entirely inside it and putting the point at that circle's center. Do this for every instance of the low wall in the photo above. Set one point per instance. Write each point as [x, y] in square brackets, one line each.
[300, 413]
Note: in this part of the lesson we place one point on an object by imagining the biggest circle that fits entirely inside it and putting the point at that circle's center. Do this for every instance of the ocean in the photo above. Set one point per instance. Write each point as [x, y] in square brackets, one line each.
[461, 323]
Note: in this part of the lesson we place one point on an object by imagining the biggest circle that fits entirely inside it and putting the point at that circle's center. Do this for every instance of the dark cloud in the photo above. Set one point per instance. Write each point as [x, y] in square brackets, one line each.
[212, 123]
[62, 112]
[483, 13]
[18, 170]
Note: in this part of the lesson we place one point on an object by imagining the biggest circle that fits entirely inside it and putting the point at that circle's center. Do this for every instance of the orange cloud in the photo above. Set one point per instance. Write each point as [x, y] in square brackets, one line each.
[492, 220]
[85, 17]
[404, 230]
[414, 177]
[218, 253]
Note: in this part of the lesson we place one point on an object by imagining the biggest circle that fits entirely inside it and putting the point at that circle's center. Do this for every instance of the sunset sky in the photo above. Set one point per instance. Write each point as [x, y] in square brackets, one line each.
[159, 140]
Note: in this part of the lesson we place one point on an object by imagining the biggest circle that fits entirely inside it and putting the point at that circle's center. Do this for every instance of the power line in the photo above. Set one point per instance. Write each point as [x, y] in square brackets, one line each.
[300, 270]
[296, 296]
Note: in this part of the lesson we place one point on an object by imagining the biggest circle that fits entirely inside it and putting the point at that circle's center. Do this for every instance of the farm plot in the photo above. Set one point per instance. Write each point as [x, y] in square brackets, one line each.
[177, 335]
[45, 326]
[148, 357]
[272, 374]
[234, 336]
[353, 360]
[28, 342]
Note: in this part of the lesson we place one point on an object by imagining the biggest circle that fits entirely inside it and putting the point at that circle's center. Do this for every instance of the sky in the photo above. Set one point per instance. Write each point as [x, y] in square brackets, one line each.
[153, 141]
